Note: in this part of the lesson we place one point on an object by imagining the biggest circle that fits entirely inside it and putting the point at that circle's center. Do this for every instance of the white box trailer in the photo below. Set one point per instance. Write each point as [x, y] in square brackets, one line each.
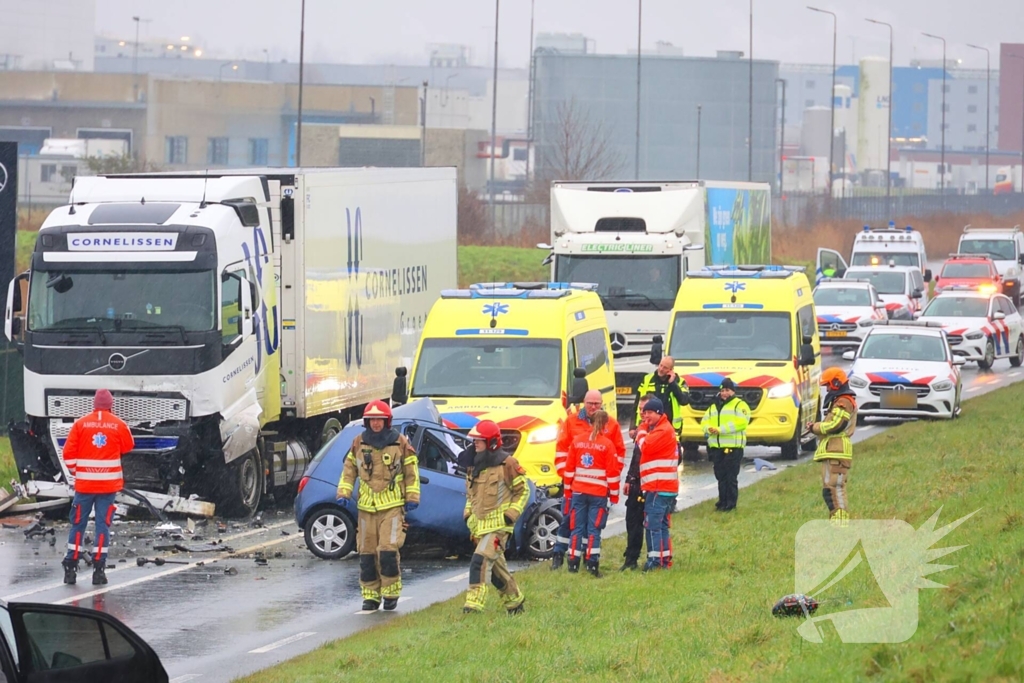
[240, 318]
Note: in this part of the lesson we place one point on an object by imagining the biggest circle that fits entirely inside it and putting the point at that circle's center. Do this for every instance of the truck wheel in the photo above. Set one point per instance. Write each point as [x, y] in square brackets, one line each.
[330, 430]
[1018, 356]
[242, 490]
[691, 452]
[330, 533]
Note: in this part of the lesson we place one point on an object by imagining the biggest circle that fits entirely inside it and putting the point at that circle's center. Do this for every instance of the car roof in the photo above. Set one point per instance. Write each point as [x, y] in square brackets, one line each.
[850, 284]
[907, 329]
[968, 259]
[422, 409]
[971, 293]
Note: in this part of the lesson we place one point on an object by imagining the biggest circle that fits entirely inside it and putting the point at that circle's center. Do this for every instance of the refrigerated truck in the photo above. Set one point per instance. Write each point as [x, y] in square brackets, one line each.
[637, 239]
[239, 318]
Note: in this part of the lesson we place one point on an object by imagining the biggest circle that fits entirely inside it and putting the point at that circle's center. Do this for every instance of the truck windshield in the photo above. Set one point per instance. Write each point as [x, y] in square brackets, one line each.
[731, 335]
[885, 281]
[885, 258]
[625, 283]
[1000, 250]
[120, 300]
[472, 368]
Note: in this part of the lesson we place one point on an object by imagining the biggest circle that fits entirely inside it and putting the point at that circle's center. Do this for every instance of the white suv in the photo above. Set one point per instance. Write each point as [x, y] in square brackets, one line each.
[1005, 248]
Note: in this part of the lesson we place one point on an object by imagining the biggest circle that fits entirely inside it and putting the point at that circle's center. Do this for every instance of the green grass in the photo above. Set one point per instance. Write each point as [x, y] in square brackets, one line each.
[25, 243]
[709, 617]
[7, 469]
[501, 264]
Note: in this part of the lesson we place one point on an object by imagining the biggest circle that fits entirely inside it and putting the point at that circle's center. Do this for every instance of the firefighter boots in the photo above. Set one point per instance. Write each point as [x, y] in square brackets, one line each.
[574, 565]
[593, 569]
[390, 604]
[556, 561]
[518, 609]
[370, 605]
[70, 572]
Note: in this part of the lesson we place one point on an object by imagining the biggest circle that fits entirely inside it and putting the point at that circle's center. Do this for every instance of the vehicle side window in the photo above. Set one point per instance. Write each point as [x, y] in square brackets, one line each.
[231, 307]
[62, 641]
[808, 323]
[1006, 306]
[592, 350]
[440, 450]
[570, 364]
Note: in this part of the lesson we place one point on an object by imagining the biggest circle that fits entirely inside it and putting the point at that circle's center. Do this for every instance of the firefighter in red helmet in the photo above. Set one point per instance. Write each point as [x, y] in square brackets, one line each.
[496, 495]
[389, 486]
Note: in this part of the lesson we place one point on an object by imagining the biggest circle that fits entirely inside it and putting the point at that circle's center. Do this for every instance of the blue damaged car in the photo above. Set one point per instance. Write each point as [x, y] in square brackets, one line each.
[329, 524]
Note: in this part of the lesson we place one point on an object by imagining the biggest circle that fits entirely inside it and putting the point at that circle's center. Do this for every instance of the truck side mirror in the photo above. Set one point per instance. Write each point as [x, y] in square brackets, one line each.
[14, 317]
[657, 349]
[580, 387]
[399, 390]
[246, 302]
[806, 355]
[1020, 259]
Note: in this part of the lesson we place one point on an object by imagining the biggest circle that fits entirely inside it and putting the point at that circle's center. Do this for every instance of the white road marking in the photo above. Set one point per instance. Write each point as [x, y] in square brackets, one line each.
[709, 487]
[971, 390]
[186, 677]
[1015, 373]
[992, 381]
[456, 579]
[281, 643]
[615, 520]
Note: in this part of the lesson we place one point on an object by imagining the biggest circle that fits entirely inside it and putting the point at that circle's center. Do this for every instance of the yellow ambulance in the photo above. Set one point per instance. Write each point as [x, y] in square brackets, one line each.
[757, 326]
[510, 352]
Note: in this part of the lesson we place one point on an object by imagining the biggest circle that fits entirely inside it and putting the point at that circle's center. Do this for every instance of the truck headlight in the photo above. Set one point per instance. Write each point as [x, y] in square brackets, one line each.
[545, 434]
[944, 385]
[974, 335]
[858, 382]
[781, 391]
[865, 323]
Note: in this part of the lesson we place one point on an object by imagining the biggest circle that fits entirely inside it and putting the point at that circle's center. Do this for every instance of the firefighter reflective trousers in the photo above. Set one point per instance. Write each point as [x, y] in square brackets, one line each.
[82, 505]
[834, 475]
[381, 534]
[488, 566]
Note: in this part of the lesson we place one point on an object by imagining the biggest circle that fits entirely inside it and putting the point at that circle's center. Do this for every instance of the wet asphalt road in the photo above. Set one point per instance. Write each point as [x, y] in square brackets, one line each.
[210, 626]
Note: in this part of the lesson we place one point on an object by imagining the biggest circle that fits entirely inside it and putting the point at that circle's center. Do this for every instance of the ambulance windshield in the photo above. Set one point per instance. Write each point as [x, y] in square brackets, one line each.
[468, 367]
[731, 335]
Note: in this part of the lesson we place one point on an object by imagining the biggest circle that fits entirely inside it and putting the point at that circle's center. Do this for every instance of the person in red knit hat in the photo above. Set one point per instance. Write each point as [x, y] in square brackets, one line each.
[92, 454]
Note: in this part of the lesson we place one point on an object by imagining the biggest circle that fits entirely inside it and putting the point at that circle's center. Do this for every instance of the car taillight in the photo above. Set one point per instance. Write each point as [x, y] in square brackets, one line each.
[302, 483]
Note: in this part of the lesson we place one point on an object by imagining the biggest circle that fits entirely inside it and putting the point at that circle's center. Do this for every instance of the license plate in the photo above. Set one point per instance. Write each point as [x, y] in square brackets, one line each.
[835, 333]
[623, 391]
[898, 400]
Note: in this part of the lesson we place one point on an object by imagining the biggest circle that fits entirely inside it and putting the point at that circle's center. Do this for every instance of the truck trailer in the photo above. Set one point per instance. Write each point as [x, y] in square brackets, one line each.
[637, 239]
[240, 319]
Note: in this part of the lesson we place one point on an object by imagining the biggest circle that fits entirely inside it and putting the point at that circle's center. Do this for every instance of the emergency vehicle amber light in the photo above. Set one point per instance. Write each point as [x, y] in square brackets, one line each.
[987, 289]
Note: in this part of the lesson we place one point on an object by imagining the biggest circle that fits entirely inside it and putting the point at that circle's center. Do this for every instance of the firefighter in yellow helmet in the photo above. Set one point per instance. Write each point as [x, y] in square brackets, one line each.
[496, 495]
[835, 449]
[389, 486]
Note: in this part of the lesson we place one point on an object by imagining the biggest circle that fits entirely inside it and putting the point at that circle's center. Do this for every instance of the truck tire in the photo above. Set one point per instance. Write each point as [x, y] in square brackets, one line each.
[332, 427]
[242, 488]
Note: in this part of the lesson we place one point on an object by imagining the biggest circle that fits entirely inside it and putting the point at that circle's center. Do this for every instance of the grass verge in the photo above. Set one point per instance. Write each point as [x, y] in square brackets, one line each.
[501, 264]
[709, 617]
[7, 469]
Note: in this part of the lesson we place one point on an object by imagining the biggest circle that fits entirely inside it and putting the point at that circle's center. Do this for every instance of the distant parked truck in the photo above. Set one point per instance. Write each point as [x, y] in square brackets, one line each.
[638, 239]
[240, 320]
[1005, 181]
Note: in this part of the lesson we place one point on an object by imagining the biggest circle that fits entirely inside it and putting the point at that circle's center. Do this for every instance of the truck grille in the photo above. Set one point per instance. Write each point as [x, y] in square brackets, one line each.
[921, 390]
[701, 399]
[631, 345]
[132, 409]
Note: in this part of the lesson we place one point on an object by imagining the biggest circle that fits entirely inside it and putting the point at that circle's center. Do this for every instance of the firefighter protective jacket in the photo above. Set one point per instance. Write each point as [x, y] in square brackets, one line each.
[496, 493]
[835, 430]
[388, 477]
[93, 450]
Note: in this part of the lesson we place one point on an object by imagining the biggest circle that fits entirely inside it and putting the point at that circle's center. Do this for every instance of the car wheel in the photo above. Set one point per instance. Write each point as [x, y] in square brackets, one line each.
[990, 356]
[791, 449]
[330, 533]
[542, 533]
[1018, 357]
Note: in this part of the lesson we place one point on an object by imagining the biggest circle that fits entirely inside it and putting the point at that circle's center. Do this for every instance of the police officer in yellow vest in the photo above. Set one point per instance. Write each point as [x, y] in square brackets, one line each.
[725, 428]
[389, 486]
[667, 386]
[835, 450]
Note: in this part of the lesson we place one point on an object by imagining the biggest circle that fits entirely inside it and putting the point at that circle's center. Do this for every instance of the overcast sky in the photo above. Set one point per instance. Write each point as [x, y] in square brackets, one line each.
[398, 31]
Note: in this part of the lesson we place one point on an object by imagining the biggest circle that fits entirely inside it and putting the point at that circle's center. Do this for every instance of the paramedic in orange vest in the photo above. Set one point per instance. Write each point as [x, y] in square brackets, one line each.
[92, 454]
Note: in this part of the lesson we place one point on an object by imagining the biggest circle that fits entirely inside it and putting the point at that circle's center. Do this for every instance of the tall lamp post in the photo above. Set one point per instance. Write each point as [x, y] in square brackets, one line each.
[832, 99]
[750, 102]
[1021, 128]
[782, 129]
[942, 162]
[888, 146]
[494, 109]
[639, 28]
[988, 107]
[697, 177]
[529, 106]
[302, 60]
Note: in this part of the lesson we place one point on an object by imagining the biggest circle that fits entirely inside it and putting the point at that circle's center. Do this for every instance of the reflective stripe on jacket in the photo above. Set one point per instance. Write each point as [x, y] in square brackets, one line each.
[835, 430]
[649, 386]
[576, 425]
[731, 421]
[659, 458]
[93, 450]
[493, 494]
[593, 468]
[388, 477]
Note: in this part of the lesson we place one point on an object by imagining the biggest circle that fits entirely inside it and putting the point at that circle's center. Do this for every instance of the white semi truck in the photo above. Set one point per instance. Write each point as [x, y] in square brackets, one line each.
[638, 239]
[239, 318]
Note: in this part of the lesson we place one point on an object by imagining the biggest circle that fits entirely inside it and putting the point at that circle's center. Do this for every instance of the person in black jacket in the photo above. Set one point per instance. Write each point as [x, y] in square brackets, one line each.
[667, 386]
[634, 500]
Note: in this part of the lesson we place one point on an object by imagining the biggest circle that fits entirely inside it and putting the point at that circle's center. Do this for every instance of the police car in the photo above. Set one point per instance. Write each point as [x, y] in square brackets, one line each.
[982, 326]
[906, 369]
[845, 310]
[901, 288]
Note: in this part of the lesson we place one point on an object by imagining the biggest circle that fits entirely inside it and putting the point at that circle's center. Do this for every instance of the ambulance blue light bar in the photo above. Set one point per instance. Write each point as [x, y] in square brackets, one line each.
[518, 290]
[761, 272]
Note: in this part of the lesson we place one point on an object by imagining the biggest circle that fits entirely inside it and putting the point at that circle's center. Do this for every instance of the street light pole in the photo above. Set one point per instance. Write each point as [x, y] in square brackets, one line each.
[639, 27]
[697, 177]
[750, 102]
[888, 147]
[135, 52]
[988, 107]
[494, 110]
[942, 157]
[782, 129]
[529, 106]
[832, 99]
[423, 127]
[302, 60]
[1021, 128]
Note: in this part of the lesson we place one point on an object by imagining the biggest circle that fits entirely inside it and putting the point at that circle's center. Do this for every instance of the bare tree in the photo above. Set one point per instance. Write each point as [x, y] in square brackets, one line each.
[125, 163]
[582, 148]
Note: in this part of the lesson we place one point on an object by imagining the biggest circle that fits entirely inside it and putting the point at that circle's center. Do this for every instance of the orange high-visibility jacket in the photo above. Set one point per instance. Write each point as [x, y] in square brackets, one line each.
[593, 467]
[574, 427]
[659, 458]
[93, 452]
